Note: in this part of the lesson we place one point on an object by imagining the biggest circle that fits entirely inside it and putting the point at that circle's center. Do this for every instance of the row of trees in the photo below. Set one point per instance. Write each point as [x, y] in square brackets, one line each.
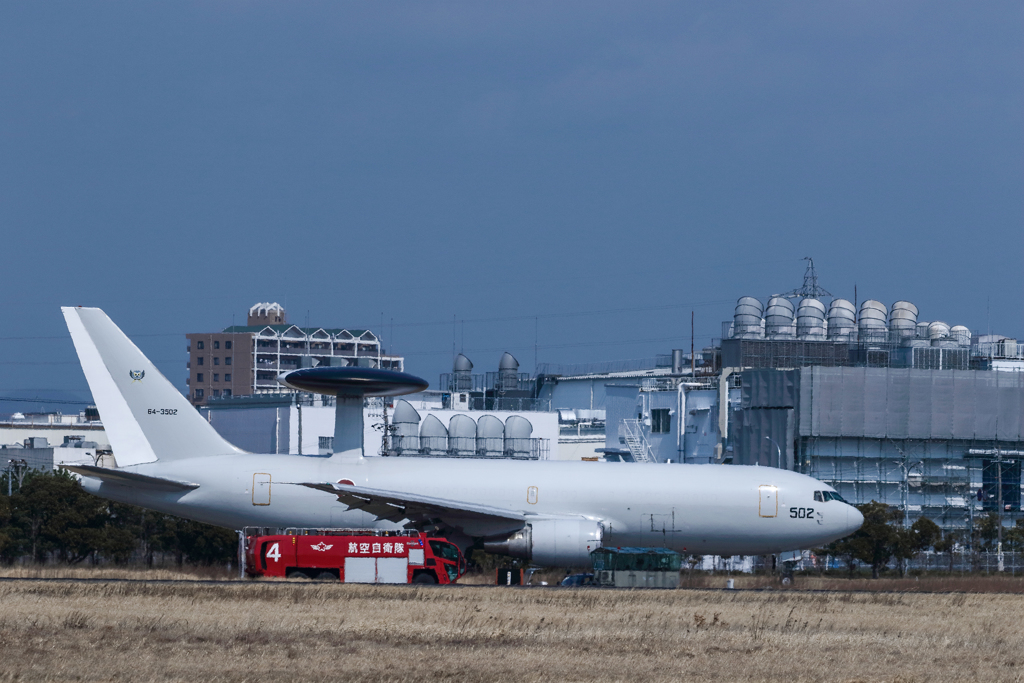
[883, 539]
[51, 518]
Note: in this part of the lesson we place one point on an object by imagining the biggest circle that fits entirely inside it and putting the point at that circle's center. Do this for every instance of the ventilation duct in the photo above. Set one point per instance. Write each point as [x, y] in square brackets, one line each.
[778, 319]
[810, 320]
[462, 374]
[508, 373]
[518, 431]
[842, 320]
[490, 436]
[462, 436]
[938, 330]
[903, 319]
[961, 334]
[871, 321]
[433, 436]
[747, 319]
[406, 422]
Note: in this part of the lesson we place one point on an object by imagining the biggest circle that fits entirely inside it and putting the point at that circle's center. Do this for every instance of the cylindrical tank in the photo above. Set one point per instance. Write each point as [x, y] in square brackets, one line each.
[842, 320]
[517, 437]
[961, 334]
[462, 436]
[778, 319]
[747, 318]
[871, 321]
[490, 437]
[938, 330]
[922, 329]
[508, 372]
[462, 371]
[810, 320]
[433, 436]
[903, 319]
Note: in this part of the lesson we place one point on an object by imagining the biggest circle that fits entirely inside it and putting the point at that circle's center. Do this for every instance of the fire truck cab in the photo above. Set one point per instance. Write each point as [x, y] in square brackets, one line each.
[353, 556]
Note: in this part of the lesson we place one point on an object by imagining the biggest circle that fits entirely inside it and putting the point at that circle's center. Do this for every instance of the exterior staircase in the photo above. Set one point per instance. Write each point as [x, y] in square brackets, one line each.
[637, 443]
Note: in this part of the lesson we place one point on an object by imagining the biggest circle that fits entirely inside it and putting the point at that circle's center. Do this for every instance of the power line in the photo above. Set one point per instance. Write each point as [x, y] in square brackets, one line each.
[43, 400]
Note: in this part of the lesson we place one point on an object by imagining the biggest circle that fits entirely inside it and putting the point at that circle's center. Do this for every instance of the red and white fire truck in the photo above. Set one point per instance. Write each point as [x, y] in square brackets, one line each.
[353, 556]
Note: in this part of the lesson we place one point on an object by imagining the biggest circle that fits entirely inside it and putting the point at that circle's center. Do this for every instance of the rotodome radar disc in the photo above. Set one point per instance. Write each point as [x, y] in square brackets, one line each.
[352, 381]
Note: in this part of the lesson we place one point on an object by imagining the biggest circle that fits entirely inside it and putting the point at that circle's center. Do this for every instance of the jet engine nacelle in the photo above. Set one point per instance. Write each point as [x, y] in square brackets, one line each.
[552, 542]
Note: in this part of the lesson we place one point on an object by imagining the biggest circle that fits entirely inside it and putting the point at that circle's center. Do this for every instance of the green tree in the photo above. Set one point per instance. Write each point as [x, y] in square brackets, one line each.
[876, 540]
[987, 531]
[920, 536]
[948, 544]
[6, 535]
[57, 515]
[1013, 538]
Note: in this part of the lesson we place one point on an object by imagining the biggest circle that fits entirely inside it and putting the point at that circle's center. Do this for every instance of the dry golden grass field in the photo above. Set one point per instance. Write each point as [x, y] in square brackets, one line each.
[285, 631]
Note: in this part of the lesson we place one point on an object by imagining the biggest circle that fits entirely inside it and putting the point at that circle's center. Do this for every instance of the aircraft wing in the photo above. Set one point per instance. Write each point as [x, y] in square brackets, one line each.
[133, 479]
[425, 511]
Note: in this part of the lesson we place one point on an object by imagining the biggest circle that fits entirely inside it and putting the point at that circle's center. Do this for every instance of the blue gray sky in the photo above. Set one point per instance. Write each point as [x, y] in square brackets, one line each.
[570, 179]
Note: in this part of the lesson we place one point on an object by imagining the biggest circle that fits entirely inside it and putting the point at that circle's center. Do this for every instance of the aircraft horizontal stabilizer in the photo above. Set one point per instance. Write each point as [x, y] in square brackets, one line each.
[131, 479]
[423, 511]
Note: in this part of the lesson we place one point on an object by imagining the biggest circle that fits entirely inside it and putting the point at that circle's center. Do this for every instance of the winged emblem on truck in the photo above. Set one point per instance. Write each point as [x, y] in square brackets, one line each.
[322, 547]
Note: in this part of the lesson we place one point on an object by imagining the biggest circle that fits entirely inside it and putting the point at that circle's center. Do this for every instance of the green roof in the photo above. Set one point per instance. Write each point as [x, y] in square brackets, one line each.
[241, 329]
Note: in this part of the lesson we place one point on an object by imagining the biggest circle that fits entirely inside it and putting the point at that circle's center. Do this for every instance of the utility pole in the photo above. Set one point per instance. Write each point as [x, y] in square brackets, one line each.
[693, 361]
[999, 499]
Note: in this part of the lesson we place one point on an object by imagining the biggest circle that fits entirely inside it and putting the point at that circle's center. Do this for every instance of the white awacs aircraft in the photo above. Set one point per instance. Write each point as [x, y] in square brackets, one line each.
[171, 460]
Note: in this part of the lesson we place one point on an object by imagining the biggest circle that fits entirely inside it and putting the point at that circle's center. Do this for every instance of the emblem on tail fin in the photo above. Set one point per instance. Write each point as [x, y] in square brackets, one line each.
[137, 375]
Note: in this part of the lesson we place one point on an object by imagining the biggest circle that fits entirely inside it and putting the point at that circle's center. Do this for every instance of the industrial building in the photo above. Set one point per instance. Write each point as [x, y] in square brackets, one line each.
[243, 360]
[883, 405]
[487, 422]
[38, 441]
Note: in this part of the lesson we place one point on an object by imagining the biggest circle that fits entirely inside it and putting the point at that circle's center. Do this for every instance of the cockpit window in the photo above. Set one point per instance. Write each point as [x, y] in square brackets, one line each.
[818, 497]
[829, 495]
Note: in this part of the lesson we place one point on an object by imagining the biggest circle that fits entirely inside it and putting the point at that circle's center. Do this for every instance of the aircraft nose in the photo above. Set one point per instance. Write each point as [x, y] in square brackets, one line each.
[854, 519]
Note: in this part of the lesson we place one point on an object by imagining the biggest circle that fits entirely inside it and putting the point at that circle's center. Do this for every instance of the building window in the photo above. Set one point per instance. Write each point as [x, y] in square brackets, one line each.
[227, 377]
[661, 421]
[227, 393]
[216, 361]
[227, 361]
[216, 377]
[216, 344]
[199, 360]
[216, 392]
[199, 377]
[199, 393]
[199, 345]
[227, 345]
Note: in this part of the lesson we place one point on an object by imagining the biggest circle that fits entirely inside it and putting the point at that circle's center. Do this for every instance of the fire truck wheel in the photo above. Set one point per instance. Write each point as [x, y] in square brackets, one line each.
[296, 574]
[326, 576]
[424, 578]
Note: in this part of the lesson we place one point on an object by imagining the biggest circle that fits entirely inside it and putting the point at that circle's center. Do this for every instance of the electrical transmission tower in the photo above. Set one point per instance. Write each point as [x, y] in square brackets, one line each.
[811, 289]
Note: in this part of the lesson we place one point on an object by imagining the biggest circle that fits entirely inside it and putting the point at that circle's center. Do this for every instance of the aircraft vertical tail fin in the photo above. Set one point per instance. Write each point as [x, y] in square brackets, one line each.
[145, 417]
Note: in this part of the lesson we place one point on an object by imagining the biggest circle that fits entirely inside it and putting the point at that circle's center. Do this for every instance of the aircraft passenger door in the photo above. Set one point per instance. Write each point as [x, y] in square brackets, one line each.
[769, 503]
[261, 488]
